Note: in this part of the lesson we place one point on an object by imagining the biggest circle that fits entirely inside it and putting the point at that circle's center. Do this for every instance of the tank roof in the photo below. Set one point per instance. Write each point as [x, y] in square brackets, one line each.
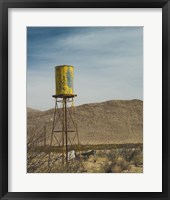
[58, 66]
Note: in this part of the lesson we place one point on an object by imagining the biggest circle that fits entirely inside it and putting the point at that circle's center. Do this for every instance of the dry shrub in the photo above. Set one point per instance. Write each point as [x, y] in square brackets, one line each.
[112, 155]
[121, 162]
[138, 160]
[116, 169]
[71, 167]
[108, 167]
[120, 165]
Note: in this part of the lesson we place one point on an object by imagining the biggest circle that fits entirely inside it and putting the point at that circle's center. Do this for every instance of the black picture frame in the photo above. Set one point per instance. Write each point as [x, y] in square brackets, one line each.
[4, 5]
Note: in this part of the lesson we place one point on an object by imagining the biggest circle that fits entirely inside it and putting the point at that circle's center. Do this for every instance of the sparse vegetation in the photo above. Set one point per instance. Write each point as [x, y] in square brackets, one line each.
[103, 161]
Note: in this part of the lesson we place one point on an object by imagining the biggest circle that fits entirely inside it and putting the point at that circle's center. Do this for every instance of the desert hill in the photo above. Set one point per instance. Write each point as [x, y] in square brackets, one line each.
[110, 122]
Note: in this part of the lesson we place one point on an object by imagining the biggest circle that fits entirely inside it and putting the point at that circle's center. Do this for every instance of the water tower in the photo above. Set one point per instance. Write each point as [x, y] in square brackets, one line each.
[64, 129]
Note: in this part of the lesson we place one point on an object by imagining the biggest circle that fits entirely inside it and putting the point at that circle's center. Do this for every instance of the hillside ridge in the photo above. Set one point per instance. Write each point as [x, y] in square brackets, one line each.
[109, 122]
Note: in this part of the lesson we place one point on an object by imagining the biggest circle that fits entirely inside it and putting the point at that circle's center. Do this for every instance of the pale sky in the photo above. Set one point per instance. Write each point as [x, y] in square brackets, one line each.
[108, 63]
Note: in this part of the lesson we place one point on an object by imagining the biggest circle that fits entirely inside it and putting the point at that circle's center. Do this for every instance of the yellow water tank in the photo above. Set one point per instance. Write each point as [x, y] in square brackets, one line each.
[64, 79]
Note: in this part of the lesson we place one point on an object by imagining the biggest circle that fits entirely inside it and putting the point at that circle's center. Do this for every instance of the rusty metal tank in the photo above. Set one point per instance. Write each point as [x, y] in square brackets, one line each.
[64, 75]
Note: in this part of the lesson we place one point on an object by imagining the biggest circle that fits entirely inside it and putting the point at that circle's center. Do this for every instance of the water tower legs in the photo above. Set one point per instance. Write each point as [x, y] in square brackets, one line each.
[65, 119]
[65, 143]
